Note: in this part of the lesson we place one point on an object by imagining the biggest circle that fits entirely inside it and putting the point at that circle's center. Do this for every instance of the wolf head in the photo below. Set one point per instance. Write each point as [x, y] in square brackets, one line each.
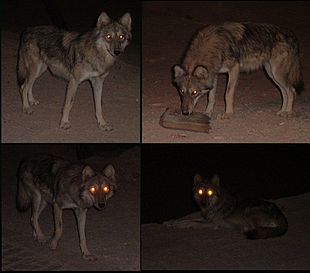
[206, 191]
[97, 188]
[192, 86]
[114, 36]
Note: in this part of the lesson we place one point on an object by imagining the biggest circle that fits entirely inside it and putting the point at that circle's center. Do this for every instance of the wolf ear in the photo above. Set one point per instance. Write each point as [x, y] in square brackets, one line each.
[178, 71]
[125, 20]
[109, 172]
[87, 172]
[103, 20]
[215, 180]
[197, 179]
[201, 72]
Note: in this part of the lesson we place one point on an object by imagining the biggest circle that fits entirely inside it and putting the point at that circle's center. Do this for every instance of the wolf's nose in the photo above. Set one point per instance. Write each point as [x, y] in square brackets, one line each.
[101, 205]
[117, 52]
[185, 113]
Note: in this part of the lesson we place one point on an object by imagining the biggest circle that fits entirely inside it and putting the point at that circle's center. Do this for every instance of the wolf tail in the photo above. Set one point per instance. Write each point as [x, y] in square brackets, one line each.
[23, 198]
[21, 66]
[295, 77]
[265, 232]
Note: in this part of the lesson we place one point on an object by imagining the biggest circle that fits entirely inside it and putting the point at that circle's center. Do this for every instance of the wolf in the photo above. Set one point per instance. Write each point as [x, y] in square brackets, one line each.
[46, 179]
[74, 57]
[258, 219]
[233, 48]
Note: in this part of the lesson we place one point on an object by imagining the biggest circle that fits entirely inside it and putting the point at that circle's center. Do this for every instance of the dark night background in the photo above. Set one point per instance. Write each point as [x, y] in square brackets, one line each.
[74, 15]
[255, 171]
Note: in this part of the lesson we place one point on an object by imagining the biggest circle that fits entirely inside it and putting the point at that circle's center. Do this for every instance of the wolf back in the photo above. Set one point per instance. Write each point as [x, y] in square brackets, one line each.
[236, 47]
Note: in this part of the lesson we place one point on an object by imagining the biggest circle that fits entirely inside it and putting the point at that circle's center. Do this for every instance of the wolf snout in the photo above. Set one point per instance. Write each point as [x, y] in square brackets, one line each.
[101, 205]
[117, 52]
[186, 113]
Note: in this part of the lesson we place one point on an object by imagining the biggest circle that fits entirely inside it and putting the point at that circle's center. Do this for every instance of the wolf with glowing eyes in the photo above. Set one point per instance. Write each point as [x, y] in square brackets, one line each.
[46, 179]
[257, 219]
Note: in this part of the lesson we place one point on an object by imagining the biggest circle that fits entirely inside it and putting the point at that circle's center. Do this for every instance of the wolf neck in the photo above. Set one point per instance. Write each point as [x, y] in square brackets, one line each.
[98, 50]
[205, 51]
[222, 209]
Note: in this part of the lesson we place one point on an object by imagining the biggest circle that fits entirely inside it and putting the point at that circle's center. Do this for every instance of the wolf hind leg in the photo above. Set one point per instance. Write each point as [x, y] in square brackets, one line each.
[35, 68]
[277, 72]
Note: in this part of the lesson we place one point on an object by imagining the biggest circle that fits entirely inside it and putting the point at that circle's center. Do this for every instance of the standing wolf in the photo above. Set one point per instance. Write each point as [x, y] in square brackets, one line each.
[74, 57]
[257, 219]
[46, 179]
[232, 48]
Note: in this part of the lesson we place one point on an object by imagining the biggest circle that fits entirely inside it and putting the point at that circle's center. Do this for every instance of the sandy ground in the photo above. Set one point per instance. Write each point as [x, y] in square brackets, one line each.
[167, 248]
[257, 99]
[113, 234]
[121, 103]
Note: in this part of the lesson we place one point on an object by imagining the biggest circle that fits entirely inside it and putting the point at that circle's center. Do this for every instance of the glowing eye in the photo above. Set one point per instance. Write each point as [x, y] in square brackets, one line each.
[210, 192]
[92, 189]
[194, 92]
[200, 191]
[182, 91]
[108, 36]
[121, 37]
[106, 189]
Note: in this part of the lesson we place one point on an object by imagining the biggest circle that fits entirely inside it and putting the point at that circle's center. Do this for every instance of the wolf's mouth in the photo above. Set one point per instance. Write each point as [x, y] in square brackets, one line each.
[100, 206]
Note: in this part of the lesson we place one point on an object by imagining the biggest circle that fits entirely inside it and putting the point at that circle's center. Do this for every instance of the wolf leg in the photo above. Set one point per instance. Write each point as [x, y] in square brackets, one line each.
[189, 223]
[71, 91]
[230, 91]
[58, 226]
[36, 68]
[97, 84]
[38, 204]
[211, 99]
[81, 220]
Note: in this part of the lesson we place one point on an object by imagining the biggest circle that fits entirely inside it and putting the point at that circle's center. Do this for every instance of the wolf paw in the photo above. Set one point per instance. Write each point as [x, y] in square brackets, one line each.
[42, 240]
[65, 125]
[27, 110]
[34, 102]
[285, 114]
[53, 244]
[89, 257]
[227, 116]
[105, 127]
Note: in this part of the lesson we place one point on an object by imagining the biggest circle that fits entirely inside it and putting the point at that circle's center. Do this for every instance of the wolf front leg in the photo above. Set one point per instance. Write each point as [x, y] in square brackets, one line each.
[97, 84]
[81, 220]
[58, 225]
[71, 91]
[211, 99]
[230, 91]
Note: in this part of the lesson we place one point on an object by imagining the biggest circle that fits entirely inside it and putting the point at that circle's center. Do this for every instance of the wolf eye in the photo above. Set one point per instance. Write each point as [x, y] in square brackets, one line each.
[108, 36]
[194, 92]
[182, 91]
[92, 189]
[106, 189]
[200, 192]
[121, 37]
[210, 192]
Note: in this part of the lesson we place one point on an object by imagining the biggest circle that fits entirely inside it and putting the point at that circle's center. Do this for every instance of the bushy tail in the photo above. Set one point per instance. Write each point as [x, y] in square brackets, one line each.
[21, 67]
[265, 232]
[295, 77]
[23, 198]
